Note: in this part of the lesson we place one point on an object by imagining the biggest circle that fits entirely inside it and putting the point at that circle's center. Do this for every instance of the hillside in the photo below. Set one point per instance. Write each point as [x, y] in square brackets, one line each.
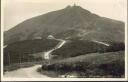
[79, 47]
[23, 51]
[90, 65]
[69, 23]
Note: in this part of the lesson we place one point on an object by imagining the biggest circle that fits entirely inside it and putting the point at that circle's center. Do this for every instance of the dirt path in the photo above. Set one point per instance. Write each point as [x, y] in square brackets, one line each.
[59, 45]
[32, 71]
[26, 73]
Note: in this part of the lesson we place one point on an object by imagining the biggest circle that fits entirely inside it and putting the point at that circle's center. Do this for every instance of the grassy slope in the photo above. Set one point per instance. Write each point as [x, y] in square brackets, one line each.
[95, 64]
[23, 51]
[80, 47]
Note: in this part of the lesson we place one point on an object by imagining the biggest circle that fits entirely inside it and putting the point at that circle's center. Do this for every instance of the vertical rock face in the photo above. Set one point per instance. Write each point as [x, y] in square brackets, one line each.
[70, 22]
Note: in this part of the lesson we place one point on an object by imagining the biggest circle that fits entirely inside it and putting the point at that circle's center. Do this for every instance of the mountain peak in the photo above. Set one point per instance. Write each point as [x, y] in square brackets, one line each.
[77, 9]
[69, 6]
[73, 6]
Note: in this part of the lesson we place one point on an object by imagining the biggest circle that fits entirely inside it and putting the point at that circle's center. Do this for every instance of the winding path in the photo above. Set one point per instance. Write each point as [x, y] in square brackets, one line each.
[59, 45]
[32, 71]
[106, 44]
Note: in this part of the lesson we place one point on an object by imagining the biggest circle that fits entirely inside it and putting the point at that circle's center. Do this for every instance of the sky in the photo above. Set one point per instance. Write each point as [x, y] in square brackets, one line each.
[16, 11]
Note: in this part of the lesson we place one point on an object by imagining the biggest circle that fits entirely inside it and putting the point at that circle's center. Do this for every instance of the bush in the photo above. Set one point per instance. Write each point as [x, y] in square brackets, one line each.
[90, 65]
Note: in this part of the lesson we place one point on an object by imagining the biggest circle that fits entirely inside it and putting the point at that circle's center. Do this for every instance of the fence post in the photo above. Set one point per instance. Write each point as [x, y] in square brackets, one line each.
[9, 58]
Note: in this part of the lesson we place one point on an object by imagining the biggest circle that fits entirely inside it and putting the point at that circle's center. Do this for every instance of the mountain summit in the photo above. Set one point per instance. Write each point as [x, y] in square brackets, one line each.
[72, 22]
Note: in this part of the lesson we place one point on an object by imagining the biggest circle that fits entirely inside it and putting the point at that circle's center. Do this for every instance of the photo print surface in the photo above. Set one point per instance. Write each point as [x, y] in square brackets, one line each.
[64, 39]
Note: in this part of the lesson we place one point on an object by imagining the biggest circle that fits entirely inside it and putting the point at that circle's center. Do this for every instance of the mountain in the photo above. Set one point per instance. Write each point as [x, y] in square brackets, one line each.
[94, 45]
[72, 22]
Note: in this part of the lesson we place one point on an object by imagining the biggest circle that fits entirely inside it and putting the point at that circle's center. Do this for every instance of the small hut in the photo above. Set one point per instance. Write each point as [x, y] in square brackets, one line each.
[50, 37]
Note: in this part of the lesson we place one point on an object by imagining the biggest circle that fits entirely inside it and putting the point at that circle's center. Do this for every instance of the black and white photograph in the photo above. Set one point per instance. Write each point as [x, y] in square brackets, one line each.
[64, 40]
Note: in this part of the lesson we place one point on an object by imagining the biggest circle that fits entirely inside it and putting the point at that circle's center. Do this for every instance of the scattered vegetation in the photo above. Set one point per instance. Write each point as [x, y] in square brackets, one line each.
[80, 47]
[16, 66]
[90, 65]
[22, 51]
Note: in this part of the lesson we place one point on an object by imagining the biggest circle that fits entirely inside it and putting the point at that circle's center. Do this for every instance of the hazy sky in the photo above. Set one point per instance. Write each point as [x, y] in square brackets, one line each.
[16, 11]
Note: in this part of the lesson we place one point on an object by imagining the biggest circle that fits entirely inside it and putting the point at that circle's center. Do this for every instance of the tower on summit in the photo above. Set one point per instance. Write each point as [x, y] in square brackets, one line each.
[74, 4]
